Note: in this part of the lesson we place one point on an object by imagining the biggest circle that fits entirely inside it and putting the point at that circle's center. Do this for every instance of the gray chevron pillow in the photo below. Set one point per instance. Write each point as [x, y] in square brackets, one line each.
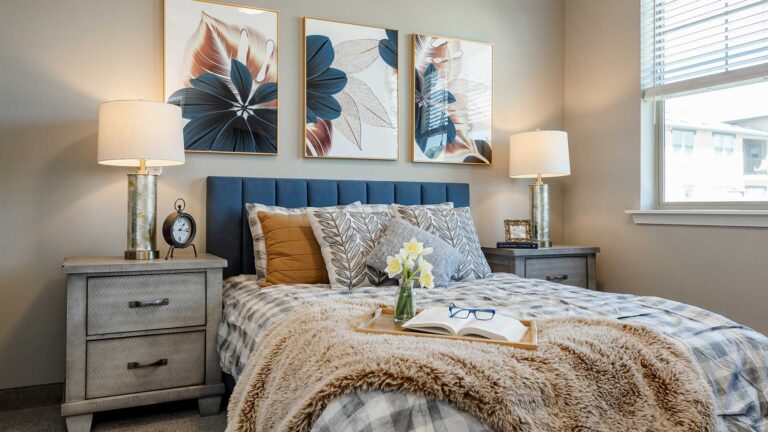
[457, 228]
[346, 238]
[445, 258]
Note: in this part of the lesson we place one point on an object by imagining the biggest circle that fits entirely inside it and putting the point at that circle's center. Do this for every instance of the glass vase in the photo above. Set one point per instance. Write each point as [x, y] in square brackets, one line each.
[404, 307]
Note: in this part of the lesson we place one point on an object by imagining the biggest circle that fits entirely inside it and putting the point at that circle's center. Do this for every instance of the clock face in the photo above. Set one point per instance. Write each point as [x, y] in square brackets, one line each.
[181, 230]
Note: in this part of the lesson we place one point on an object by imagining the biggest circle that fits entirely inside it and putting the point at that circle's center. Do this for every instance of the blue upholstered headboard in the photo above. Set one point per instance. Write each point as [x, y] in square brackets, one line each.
[227, 232]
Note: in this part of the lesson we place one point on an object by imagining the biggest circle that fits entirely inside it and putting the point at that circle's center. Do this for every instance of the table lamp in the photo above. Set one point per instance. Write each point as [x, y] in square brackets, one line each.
[138, 133]
[539, 154]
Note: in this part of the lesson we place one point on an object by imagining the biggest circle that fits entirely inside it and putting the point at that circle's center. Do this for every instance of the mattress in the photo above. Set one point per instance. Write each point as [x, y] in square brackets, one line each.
[733, 358]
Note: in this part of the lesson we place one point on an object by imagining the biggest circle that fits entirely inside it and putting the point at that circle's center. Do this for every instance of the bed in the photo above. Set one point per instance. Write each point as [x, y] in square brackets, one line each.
[732, 357]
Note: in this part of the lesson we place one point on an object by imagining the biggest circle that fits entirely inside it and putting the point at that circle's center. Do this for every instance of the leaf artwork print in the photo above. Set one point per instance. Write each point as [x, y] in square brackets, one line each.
[361, 108]
[225, 77]
[346, 238]
[452, 85]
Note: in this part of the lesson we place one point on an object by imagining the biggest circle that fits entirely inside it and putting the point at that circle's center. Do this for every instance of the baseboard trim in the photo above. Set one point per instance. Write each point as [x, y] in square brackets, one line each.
[31, 397]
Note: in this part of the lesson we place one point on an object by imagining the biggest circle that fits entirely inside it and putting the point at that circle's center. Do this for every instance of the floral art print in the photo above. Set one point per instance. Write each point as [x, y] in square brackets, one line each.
[221, 69]
[350, 91]
[453, 104]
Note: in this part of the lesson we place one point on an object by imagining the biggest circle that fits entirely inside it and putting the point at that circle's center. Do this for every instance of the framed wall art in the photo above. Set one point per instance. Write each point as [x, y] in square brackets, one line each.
[220, 66]
[452, 90]
[350, 91]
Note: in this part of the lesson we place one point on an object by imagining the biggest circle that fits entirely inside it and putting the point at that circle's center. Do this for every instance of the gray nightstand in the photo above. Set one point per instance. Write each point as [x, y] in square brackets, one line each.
[569, 265]
[141, 332]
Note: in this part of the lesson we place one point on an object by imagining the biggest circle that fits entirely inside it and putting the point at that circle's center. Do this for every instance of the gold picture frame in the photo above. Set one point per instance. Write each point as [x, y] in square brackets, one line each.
[304, 125]
[276, 55]
[513, 228]
[414, 157]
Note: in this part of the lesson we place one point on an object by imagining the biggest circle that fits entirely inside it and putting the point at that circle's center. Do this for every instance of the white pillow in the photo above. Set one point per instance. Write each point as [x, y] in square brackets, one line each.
[346, 238]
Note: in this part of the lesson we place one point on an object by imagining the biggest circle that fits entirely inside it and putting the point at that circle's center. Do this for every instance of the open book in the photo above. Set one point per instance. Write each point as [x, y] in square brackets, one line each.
[437, 320]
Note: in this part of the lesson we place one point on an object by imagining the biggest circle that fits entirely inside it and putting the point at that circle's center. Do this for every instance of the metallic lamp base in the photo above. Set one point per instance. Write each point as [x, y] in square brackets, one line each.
[540, 214]
[142, 216]
[142, 254]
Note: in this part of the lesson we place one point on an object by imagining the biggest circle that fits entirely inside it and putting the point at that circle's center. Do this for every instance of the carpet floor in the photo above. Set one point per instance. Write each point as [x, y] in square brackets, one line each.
[169, 417]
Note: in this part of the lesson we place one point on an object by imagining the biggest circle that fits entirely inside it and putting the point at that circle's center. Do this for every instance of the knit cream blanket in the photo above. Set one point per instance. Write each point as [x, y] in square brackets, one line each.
[590, 375]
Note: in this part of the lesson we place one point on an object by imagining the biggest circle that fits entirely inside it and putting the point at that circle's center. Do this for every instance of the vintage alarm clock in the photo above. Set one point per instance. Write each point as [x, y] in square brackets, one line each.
[179, 229]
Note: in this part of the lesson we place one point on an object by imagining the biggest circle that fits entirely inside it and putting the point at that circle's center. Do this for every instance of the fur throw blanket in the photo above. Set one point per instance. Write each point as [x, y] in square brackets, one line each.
[595, 375]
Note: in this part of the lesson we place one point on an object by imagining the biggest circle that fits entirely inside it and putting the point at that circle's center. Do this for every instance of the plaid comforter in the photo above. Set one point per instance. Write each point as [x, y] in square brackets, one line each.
[733, 357]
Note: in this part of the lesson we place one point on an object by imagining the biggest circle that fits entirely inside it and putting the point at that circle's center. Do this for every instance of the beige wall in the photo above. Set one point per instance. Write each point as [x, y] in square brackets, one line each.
[59, 60]
[721, 269]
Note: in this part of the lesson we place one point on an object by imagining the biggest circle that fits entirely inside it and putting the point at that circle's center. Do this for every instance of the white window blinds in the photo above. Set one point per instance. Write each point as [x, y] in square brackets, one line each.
[691, 45]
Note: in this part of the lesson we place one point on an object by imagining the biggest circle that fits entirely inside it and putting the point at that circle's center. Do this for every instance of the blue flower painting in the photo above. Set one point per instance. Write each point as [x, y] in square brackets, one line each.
[223, 75]
[323, 81]
[388, 48]
[452, 93]
[350, 91]
[434, 129]
[221, 119]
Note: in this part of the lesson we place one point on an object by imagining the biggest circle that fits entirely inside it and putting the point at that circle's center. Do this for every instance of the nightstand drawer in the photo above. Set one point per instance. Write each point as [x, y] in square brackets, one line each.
[138, 364]
[565, 270]
[145, 302]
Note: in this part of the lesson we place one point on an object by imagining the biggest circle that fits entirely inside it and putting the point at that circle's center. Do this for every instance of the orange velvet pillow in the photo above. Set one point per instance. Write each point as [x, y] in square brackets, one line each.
[293, 255]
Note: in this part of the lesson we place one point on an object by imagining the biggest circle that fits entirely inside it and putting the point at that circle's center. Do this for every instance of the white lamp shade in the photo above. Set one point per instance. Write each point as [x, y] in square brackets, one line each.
[543, 153]
[135, 130]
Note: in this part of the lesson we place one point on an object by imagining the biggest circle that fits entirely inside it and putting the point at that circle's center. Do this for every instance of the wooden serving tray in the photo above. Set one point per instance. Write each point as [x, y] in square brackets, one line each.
[382, 322]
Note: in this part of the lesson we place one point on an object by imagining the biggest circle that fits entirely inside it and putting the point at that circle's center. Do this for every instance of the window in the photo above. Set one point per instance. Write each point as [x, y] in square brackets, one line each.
[755, 161]
[724, 143]
[682, 138]
[705, 70]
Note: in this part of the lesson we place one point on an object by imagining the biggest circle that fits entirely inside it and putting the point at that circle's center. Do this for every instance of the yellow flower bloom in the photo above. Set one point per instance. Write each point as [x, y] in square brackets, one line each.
[424, 266]
[413, 248]
[426, 280]
[394, 266]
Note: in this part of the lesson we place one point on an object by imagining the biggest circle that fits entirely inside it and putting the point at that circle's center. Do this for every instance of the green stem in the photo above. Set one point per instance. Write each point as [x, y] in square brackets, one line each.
[404, 307]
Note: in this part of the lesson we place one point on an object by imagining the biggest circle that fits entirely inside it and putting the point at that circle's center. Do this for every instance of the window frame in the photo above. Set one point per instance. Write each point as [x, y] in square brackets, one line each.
[659, 136]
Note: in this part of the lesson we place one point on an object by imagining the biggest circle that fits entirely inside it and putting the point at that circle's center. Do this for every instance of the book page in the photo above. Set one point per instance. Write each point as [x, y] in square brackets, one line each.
[435, 320]
[499, 328]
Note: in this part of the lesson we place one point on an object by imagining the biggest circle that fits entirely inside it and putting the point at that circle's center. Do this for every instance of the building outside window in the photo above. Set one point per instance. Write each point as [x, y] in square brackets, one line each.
[705, 71]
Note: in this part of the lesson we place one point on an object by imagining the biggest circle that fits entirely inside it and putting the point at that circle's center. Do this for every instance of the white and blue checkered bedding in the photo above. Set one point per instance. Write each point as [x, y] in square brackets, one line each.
[733, 357]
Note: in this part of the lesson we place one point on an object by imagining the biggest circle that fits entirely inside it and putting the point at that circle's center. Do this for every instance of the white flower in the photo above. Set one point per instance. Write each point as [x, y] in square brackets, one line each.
[426, 251]
[424, 266]
[402, 254]
[426, 280]
[413, 247]
[394, 266]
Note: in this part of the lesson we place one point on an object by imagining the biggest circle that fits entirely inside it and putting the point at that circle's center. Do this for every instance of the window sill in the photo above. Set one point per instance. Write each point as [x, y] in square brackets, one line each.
[718, 218]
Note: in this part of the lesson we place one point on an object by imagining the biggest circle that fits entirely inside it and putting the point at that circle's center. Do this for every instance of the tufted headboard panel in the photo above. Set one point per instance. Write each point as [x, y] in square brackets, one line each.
[227, 231]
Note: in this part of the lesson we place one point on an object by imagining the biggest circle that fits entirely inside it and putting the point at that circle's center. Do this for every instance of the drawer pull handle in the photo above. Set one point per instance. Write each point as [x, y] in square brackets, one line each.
[557, 278]
[138, 304]
[137, 365]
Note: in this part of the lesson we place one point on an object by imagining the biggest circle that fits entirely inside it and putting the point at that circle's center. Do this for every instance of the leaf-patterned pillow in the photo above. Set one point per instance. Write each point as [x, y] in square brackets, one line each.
[393, 208]
[346, 238]
[457, 228]
[408, 212]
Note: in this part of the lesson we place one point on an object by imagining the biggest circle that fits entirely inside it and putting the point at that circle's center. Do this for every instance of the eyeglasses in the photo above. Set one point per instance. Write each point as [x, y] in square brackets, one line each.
[464, 313]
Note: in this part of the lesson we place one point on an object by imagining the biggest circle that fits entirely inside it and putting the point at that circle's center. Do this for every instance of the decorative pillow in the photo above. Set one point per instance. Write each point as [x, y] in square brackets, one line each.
[408, 211]
[445, 258]
[259, 249]
[455, 227]
[346, 238]
[370, 208]
[293, 255]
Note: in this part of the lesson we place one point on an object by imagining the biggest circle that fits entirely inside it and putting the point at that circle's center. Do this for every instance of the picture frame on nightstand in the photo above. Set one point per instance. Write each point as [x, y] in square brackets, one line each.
[517, 230]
